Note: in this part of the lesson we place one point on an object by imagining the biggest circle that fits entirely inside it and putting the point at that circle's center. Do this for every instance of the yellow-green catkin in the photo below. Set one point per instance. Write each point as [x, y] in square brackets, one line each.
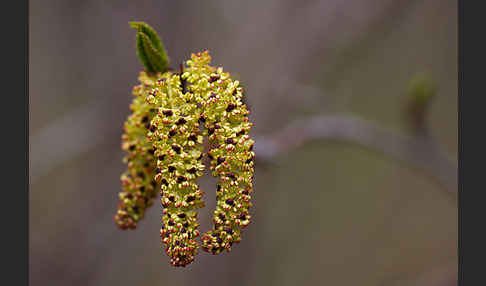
[172, 112]
[227, 127]
[178, 148]
[138, 184]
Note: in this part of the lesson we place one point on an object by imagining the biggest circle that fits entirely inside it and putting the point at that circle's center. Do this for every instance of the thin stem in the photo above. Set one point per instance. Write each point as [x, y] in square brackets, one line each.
[416, 151]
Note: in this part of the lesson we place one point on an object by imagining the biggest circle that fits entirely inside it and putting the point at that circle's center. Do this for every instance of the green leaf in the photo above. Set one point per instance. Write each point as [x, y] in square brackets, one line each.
[141, 53]
[150, 49]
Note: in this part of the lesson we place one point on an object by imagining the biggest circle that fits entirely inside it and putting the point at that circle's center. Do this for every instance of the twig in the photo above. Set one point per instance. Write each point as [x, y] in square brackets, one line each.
[419, 152]
[88, 127]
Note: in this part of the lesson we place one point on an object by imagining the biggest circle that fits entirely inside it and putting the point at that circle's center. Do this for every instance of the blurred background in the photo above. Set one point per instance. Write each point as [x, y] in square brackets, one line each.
[326, 212]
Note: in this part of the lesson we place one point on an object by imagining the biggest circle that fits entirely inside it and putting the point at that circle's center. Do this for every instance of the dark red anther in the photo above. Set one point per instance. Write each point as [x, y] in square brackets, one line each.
[229, 141]
[230, 202]
[144, 119]
[228, 230]
[192, 170]
[213, 78]
[181, 121]
[172, 133]
[181, 179]
[192, 137]
[230, 107]
[181, 215]
[152, 128]
[131, 147]
[176, 148]
[171, 169]
[220, 160]
[167, 112]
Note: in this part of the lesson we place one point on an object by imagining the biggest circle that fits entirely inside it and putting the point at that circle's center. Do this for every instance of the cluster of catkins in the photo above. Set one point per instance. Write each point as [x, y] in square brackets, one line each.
[171, 114]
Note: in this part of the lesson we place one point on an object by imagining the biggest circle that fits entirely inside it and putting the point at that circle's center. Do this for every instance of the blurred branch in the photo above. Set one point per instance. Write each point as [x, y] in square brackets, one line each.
[417, 151]
[90, 126]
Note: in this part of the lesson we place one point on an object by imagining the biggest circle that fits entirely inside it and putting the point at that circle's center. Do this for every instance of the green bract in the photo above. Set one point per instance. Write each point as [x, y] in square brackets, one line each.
[172, 112]
[150, 50]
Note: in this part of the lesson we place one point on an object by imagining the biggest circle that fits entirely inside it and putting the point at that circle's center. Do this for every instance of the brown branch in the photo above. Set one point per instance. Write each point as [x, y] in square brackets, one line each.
[416, 151]
[89, 127]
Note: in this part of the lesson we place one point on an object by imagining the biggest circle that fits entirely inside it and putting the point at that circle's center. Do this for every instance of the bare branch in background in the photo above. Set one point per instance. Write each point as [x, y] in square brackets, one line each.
[86, 128]
[418, 152]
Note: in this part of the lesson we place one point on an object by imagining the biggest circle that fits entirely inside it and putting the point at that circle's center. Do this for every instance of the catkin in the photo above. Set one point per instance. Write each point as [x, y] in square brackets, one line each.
[139, 187]
[172, 112]
[231, 155]
[178, 148]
